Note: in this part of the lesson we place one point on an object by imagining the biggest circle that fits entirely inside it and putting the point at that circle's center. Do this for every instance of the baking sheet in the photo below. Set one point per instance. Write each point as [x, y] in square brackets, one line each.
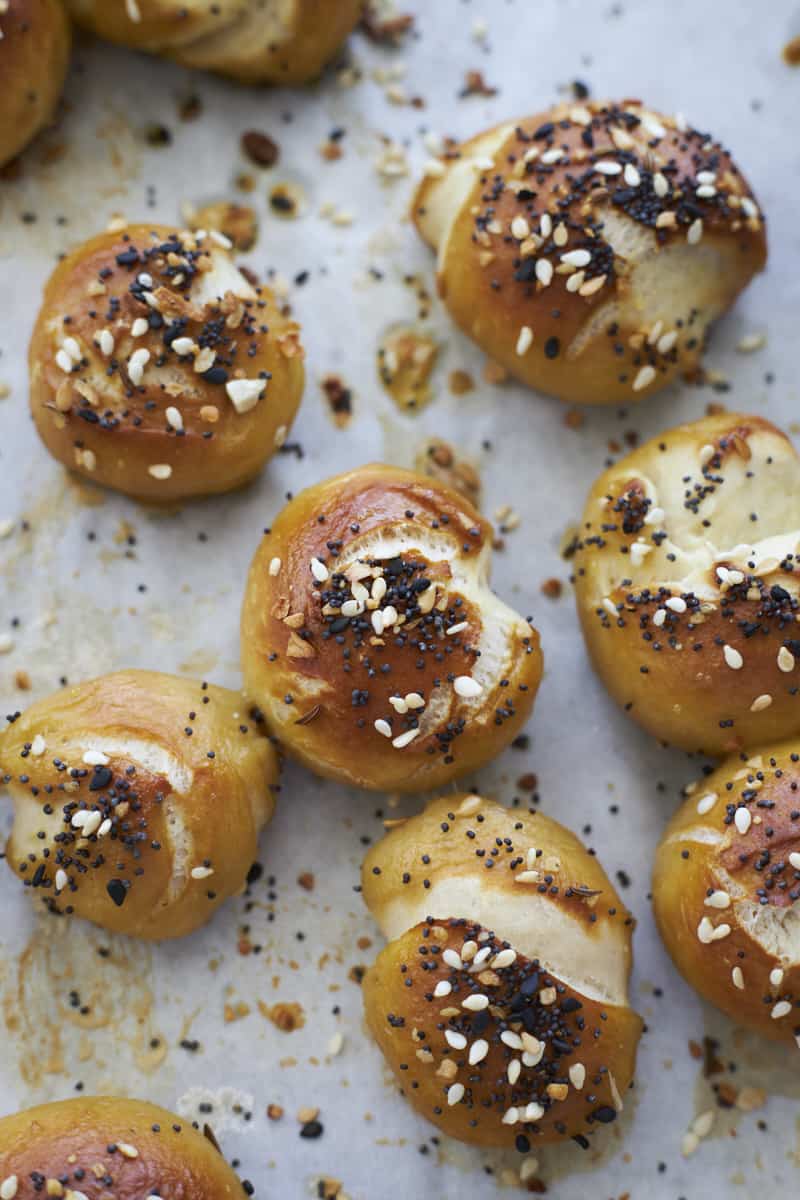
[92, 582]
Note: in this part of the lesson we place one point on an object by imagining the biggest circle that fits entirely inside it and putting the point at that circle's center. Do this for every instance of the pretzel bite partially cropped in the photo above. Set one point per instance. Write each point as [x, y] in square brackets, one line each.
[500, 1002]
[726, 889]
[139, 798]
[96, 1147]
[588, 249]
[254, 41]
[372, 641]
[158, 369]
[686, 578]
[35, 42]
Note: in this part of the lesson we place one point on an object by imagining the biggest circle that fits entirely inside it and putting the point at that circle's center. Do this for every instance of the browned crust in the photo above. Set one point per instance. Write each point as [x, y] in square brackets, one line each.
[284, 653]
[129, 431]
[121, 880]
[34, 53]
[71, 1139]
[478, 277]
[687, 869]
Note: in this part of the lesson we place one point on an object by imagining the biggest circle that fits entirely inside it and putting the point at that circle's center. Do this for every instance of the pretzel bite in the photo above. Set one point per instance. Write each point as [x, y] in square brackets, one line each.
[157, 369]
[500, 1002]
[372, 641]
[35, 42]
[686, 571]
[589, 248]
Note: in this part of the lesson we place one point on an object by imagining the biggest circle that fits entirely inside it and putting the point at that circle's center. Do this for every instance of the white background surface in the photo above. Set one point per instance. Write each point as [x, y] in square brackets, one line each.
[81, 610]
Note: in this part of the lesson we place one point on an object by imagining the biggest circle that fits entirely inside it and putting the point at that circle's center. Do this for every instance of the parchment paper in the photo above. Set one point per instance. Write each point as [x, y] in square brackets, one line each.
[92, 582]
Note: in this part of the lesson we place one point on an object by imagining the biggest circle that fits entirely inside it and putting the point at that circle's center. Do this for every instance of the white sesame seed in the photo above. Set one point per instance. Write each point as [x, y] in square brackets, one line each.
[742, 819]
[689, 1143]
[524, 340]
[467, 687]
[738, 978]
[377, 621]
[560, 234]
[776, 977]
[677, 604]
[96, 758]
[274, 566]
[482, 164]
[452, 959]
[577, 1075]
[576, 258]
[64, 361]
[105, 828]
[160, 470]
[781, 1009]
[477, 1052]
[509, 1038]
[404, 739]
[459, 627]
[378, 590]
[552, 156]
[443, 988]
[136, 365]
[127, 1151]
[660, 184]
[707, 452]
[749, 207]
[8, 1188]
[644, 377]
[414, 700]
[695, 231]
[105, 340]
[732, 657]
[547, 996]
[575, 282]
[174, 417]
[703, 1124]
[761, 702]
[201, 872]
[510, 1116]
[639, 552]
[785, 659]
[140, 327]
[544, 271]
[631, 175]
[667, 341]
[659, 617]
[62, 880]
[706, 803]
[707, 933]
[546, 225]
[520, 228]
[476, 1002]
[38, 746]
[607, 167]
[794, 860]
[514, 1071]
[533, 1112]
[481, 957]
[504, 959]
[245, 394]
[469, 950]
[718, 899]
[336, 1044]
[319, 570]
[454, 1039]
[653, 125]
[455, 1094]
[383, 727]
[184, 346]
